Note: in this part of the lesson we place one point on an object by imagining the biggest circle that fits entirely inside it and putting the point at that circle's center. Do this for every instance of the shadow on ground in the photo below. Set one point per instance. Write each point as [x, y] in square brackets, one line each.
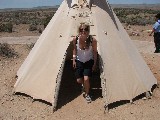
[69, 89]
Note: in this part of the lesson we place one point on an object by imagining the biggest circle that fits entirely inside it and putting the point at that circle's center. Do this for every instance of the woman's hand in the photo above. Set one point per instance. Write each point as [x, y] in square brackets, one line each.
[93, 67]
[74, 64]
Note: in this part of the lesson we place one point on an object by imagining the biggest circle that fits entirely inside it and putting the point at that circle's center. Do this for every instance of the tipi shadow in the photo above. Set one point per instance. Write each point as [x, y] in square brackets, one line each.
[69, 89]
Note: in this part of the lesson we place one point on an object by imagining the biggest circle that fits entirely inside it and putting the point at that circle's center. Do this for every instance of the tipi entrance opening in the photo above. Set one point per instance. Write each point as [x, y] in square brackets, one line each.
[69, 88]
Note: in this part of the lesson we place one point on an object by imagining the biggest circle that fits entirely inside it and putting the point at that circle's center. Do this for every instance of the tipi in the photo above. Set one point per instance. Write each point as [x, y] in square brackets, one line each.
[124, 73]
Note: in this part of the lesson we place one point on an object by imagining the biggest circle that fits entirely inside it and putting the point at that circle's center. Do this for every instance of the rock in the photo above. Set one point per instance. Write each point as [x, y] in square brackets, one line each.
[12, 99]
[23, 109]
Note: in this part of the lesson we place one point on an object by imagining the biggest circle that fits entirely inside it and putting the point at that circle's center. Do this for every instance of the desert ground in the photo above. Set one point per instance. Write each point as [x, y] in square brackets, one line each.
[72, 105]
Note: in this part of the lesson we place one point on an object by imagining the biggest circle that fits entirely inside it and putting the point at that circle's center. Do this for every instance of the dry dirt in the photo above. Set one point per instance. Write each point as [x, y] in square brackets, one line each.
[72, 105]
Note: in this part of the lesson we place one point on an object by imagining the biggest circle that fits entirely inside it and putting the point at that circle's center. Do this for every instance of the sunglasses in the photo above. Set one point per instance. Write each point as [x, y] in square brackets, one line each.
[85, 29]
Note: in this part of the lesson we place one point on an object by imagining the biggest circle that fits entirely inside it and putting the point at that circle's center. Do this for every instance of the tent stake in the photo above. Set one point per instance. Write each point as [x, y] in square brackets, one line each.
[33, 100]
[148, 95]
[157, 85]
[54, 109]
[131, 101]
[106, 109]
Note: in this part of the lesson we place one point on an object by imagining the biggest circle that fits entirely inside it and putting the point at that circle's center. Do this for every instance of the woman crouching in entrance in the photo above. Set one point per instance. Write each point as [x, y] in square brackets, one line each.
[84, 57]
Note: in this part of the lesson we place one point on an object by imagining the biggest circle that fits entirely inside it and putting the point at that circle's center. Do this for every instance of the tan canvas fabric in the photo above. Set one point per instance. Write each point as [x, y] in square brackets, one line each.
[79, 2]
[37, 76]
[124, 73]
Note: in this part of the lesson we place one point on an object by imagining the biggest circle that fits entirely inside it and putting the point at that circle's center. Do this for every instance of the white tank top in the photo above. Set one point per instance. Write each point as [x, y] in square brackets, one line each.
[84, 55]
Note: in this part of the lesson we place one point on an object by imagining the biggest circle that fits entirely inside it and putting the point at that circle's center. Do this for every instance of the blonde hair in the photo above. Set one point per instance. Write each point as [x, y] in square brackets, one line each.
[86, 25]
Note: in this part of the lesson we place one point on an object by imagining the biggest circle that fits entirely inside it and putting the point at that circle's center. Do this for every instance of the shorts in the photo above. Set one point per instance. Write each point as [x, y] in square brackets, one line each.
[84, 69]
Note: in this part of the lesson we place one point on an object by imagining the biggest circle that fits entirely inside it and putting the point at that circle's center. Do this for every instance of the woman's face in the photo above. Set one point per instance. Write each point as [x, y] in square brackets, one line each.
[84, 31]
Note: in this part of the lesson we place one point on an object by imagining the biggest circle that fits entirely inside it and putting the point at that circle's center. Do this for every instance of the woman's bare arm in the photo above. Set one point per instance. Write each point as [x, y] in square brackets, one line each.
[74, 52]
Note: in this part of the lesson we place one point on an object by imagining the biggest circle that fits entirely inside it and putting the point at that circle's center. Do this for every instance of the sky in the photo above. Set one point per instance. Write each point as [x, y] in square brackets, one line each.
[36, 3]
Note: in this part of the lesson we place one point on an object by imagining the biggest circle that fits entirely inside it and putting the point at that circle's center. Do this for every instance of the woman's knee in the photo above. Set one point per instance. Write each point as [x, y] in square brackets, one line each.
[79, 80]
[86, 78]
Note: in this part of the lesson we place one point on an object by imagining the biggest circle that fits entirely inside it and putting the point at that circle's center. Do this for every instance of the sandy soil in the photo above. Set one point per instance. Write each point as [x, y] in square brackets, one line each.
[72, 105]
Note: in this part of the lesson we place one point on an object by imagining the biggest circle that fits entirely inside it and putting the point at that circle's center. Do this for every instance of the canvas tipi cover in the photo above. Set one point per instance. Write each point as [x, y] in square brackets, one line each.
[124, 73]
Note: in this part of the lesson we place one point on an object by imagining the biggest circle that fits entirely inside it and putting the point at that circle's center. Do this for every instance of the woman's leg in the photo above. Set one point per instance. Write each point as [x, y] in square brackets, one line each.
[87, 75]
[86, 84]
[87, 88]
[79, 72]
[80, 80]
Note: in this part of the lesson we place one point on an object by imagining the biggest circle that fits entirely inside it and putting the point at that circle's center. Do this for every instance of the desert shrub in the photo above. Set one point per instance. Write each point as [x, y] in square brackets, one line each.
[7, 27]
[30, 46]
[149, 11]
[7, 51]
[34, 21]
[150, 20]
[122, 19]
[32, 27]
[46, 21]
[39, 30]
[141, 21]
[17, 15]
[23, 21]
[26, 16]
[38, 13]
[17, 22]
[134, 16]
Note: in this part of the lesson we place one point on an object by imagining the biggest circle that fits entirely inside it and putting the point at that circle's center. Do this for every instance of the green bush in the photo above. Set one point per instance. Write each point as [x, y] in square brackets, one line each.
[32, 27]
[30, 46]
[40, 30]
[6, 27]
[46, 21]
[134, 16]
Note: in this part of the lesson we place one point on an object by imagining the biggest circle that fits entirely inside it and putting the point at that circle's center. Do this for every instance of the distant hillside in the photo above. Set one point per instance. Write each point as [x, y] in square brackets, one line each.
[139, 6]
[27, 9]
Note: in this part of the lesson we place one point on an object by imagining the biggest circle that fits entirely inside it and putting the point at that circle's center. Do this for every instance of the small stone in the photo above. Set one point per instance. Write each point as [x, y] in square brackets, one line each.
[144, 98]
[11, 99]
[23, 109]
